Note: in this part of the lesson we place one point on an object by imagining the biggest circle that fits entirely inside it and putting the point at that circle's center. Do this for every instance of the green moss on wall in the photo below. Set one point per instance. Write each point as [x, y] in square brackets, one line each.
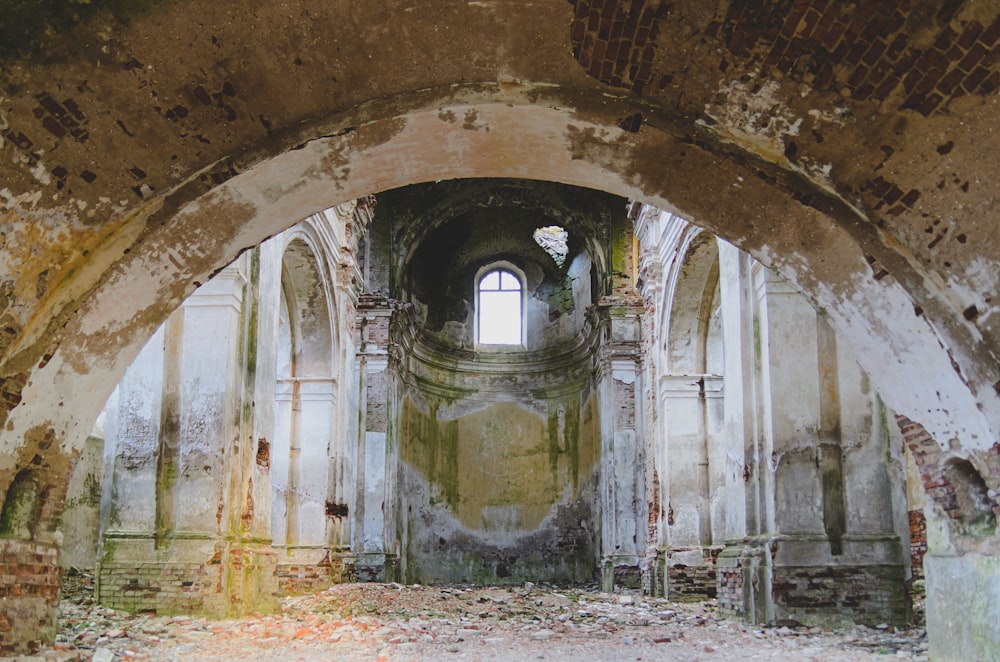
[20, 508]
[501, 466]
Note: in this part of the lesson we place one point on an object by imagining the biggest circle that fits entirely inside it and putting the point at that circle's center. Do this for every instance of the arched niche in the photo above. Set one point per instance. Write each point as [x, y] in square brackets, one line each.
[307, 295]
[305, 398]
[693, 340]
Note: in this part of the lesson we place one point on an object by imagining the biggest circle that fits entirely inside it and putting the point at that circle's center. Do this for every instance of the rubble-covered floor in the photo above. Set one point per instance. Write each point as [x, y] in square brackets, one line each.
[388, 622]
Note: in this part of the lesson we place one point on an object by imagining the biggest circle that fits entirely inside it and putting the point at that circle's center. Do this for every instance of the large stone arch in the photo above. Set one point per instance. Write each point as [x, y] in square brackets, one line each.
[141, 157]
[135, 293]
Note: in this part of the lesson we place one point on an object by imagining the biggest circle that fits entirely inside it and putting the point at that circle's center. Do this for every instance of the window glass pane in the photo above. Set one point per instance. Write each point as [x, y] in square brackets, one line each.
[508, 281]
[500, 318]
[490, 281]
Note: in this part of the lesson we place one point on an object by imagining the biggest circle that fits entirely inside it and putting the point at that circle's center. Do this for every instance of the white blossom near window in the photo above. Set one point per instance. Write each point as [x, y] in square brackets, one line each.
[499, 309]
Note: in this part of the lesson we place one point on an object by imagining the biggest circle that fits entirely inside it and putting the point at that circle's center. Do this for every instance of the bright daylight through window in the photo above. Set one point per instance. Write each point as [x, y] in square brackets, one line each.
[499, 308]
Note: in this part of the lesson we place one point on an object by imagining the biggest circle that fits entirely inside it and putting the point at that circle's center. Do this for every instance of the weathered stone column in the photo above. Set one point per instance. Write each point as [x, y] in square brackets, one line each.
[743, 568]
[304, 459]
[374, 537]
[622, 478]
[837, 553]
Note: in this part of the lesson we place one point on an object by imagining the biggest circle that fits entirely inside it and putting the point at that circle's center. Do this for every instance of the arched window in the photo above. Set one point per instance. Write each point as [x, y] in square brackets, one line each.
[499, 308]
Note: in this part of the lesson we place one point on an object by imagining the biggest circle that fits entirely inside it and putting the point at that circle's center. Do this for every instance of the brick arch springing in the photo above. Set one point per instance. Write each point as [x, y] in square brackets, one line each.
[945, 477]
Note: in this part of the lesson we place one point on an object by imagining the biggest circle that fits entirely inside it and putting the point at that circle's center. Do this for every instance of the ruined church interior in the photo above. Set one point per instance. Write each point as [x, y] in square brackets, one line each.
[676, 300]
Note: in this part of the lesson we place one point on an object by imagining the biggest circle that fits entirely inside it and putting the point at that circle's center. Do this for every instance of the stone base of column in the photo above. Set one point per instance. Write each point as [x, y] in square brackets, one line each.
[691, 574]
[376, 567]
[743, 581]
[840, 595]
[196, 575]
[29, 595]
[654, 580]
[790, 580]
[251, 585]
[621, 572]
[864, 583]
[343, 567]
[303, 570]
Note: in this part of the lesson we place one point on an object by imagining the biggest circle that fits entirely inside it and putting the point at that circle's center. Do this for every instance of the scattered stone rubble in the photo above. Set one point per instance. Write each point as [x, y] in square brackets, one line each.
[388, 622]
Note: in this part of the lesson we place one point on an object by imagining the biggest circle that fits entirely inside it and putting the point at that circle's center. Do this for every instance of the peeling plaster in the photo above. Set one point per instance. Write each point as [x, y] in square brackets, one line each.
[980, 277]
[760, 121]
[954, 408]
[757, 119]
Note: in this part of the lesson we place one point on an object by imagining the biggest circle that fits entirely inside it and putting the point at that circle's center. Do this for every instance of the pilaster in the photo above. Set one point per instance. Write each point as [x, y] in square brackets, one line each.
[178, 438]
[376, 558]
[622, 482]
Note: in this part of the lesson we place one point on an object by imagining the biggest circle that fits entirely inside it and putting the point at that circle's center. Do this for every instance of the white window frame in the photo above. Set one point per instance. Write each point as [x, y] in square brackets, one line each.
[522, 282]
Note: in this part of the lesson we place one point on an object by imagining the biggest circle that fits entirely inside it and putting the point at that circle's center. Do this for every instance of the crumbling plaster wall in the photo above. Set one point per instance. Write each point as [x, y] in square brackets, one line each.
[99, 248]
[276, 469]
[80, 524]
[494, 490]
[790, 457]
[499, 447]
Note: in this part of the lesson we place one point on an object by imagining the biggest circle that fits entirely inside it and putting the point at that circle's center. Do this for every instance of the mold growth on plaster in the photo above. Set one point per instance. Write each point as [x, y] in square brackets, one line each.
[602, 146]
[489, 495]
[80, 252]
[47, 478]
[439, 548]
[496, 447]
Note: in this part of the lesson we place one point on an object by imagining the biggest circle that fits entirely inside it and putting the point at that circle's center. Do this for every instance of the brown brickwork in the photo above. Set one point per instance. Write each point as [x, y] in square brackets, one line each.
[809, 594]
[870, 49]
[866, 49]
[615, 41]
[164, 588]
[863, 594]
[932, 463]
[29, 593]
[693, 583]
[301, 579]
[918, 543]
[729, 592]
